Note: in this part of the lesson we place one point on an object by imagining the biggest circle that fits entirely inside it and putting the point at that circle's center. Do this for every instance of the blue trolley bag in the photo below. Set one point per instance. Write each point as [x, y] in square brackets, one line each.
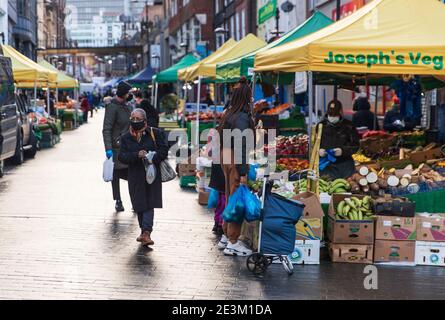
[279, 217]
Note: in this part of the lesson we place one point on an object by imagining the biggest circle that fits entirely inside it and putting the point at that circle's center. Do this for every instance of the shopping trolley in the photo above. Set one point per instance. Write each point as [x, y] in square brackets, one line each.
[277, 231]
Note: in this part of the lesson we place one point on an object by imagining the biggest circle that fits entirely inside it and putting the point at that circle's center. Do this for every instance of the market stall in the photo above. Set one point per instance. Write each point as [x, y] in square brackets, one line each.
[380, 42]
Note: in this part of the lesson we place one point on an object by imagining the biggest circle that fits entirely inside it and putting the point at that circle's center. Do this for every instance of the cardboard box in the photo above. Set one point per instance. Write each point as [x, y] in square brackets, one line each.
[430, 253]
[305, 252]
[68, 125]
[351, 253]
[203, 197]
[186, 170]
[418, 158]
[310, 229]
[431, 227]
[348, 231]
[395, 228]
[395, 252]
[310, 226]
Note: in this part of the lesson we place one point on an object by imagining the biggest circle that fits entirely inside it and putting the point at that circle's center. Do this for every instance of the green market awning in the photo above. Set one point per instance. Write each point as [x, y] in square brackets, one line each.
[232, 71]
[170, 75]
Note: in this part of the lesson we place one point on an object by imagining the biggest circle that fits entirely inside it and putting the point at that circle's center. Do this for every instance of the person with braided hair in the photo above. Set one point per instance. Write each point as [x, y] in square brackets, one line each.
[236, 117]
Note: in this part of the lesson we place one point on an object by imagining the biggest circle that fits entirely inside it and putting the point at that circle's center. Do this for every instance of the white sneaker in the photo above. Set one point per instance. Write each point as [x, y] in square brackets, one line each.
[237, 249]
[222, 244]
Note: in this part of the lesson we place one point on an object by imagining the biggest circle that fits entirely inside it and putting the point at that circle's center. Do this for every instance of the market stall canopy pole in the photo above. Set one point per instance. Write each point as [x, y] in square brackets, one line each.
[233, 70]
[384, 37]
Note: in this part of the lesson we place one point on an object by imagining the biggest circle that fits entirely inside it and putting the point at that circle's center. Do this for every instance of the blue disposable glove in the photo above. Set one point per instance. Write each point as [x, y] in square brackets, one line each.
[109, 154]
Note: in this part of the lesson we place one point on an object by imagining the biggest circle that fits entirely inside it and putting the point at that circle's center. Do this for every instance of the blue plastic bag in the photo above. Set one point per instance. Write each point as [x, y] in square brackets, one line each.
[213, 199]
[234, 212]
[253, 207]
[242, 205]
[328, 160]
[252, 171]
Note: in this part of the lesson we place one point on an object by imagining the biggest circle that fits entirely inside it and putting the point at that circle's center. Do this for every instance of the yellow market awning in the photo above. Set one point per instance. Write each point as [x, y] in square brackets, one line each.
[27, 72]
[384, 37]
[190, 73]
[63, 81]
[207, 67]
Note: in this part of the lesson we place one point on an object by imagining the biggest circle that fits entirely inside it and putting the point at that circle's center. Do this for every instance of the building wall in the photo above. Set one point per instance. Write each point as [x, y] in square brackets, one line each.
[237, 16]
[51, 31]
[4, 19]
[328, 7]
[24, 31]
[190, 20]
[287, 22]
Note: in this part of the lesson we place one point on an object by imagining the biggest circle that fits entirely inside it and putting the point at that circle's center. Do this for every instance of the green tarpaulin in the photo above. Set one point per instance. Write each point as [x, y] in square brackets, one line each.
[231, 71]
[170, 75]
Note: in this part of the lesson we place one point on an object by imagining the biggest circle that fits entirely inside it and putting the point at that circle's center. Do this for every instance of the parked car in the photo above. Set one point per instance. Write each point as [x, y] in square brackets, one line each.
[17, 137]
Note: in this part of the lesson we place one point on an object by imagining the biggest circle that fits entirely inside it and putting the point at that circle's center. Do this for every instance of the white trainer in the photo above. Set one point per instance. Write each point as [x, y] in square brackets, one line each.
[237, 249]
[222, 244]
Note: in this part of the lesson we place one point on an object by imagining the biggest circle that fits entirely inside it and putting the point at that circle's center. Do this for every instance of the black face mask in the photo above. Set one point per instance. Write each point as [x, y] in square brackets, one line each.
[137, 126]
[130, 97]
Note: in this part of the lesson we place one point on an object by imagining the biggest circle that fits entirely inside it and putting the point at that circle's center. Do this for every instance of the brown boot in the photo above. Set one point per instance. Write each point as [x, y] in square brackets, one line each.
[139, 239]
[146, 239]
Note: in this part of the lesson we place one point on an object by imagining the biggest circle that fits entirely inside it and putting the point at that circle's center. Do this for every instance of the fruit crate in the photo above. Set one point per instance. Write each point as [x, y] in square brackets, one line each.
[47, 140]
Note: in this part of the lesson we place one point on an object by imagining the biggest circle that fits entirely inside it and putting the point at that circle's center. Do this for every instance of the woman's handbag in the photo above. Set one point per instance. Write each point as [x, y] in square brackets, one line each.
[167, 172]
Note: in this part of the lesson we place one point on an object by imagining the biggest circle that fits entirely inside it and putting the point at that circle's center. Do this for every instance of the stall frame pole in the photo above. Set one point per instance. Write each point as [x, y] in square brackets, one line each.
[197, 110]
[35, 93]
[311, 101]
[376, 108]
[156, 96]
[48, 99]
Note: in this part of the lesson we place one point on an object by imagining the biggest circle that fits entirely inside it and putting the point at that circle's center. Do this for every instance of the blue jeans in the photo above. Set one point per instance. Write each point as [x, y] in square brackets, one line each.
[146, 220]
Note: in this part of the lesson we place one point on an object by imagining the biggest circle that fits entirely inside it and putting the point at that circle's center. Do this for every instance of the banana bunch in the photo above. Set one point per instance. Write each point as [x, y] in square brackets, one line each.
[300, 186]
[355, 209]
[336, 186]
[360, 158]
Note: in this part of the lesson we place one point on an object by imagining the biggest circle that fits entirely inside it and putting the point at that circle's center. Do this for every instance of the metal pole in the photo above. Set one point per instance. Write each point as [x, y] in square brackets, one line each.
[310, 102]
[197, 110]
[338, 13]
[47, 100]
[35, 93]
[376, 106]
[156, 96]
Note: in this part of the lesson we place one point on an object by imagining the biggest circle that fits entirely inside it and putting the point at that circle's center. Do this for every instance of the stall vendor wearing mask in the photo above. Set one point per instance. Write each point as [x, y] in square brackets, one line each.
[339, 141]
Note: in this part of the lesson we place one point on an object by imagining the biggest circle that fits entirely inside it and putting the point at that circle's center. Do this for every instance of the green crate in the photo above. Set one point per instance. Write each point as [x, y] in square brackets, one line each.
[187, 182]
[293, 122]
[202, 126]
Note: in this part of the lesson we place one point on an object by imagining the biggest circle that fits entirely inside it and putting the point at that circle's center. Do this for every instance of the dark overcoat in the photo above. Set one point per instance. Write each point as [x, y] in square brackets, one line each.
[143, 196]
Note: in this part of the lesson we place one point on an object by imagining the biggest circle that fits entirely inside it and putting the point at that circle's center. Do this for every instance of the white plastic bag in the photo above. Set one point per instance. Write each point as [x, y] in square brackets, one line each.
[150, 169]
[108, 169]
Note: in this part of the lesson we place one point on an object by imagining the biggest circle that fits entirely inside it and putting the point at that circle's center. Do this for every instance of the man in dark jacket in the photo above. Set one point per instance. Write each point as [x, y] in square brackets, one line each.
[394, 121]
[150, 111]
[364, 117]
[117, 123]
[340, 136]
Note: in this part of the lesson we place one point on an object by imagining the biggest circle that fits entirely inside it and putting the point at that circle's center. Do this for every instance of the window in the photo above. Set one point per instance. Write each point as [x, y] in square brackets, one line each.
[237, 22]
[243, 23]
[232, 26]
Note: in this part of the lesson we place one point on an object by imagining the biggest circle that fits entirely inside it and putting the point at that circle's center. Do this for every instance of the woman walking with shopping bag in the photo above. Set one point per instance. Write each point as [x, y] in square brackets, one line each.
[237, 117]
[142, 141]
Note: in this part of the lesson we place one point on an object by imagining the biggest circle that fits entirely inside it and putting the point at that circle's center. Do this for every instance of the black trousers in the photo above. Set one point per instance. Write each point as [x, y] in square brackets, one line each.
[115, 184]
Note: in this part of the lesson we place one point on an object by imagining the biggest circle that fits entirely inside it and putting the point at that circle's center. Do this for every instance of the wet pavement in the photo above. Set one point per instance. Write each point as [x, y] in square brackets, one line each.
[61, 239]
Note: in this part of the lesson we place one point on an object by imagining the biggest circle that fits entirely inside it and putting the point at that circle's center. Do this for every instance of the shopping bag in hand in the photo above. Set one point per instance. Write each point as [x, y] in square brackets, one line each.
[213, 199]
[235, 210]
[108, 169]
[150, 169]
